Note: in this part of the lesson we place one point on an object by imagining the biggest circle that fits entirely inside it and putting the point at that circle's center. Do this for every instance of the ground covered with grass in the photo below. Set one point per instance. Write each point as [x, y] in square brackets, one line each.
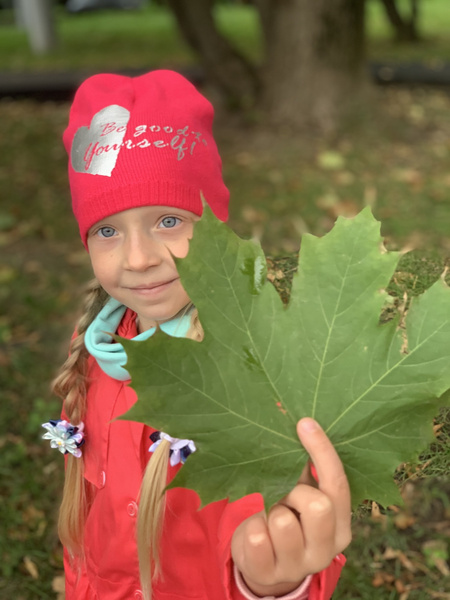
[396, 161]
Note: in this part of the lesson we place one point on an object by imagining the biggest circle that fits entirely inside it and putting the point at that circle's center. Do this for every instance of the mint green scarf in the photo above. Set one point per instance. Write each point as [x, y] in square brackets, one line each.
[111, 355]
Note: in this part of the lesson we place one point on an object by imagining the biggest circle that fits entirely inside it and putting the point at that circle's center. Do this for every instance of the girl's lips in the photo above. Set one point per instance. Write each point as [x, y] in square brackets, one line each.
[153, 288]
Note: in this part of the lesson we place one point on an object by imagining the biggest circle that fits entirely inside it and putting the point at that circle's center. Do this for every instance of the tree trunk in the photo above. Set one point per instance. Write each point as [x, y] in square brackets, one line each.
[406, 29]
[224, 66]
[265, 9]
[37, 17]
[315, 61]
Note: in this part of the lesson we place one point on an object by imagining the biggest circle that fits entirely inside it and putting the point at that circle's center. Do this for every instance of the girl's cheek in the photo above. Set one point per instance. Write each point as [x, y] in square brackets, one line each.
[181, 250]
[178, 247]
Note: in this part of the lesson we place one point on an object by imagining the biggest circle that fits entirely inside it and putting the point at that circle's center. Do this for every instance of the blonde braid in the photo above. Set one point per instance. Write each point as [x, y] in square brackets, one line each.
[152, 497]
[151, 516]
[70, 385]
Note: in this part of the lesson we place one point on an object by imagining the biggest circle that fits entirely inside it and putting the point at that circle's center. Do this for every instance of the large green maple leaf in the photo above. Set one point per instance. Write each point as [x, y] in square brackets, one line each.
[239, 393]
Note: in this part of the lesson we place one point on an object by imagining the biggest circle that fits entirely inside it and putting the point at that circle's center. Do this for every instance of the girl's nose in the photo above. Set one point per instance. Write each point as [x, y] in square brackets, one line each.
[142, 252]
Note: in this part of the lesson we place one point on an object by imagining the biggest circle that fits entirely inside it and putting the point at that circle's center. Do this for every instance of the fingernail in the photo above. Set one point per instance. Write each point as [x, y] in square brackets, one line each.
[309, 425]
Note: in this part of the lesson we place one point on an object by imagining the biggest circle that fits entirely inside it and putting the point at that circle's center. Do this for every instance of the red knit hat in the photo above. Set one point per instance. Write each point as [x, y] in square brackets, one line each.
[141, 141]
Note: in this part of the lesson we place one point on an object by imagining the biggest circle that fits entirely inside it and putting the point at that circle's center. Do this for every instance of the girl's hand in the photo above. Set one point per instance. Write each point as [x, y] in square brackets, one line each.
[304, 531]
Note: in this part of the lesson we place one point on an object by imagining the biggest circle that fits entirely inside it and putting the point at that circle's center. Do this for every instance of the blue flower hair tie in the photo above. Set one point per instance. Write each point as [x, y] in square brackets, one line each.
[179, 449]
[64, 436]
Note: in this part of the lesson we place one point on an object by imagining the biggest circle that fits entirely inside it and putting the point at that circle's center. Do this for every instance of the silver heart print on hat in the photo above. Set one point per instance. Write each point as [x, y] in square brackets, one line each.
[95, 148]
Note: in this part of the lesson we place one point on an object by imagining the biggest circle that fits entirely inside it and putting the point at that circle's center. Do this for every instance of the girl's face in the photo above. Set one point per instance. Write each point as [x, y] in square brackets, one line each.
[131, 253]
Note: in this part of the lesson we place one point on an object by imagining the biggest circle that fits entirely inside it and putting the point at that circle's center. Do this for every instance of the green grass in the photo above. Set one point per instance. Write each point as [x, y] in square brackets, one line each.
[148, 38]
[110, 39]
[434, 28]
[101, 40]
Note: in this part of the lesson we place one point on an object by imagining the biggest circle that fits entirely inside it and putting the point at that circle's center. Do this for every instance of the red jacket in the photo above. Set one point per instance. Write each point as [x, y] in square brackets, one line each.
[195, 548]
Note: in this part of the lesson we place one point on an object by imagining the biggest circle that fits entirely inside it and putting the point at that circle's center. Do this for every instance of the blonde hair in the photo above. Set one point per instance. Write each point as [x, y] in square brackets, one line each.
[152, 497]
[70, 385]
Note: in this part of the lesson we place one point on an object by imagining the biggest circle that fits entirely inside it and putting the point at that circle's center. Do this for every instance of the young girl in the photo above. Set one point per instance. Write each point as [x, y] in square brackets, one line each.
[141, 154]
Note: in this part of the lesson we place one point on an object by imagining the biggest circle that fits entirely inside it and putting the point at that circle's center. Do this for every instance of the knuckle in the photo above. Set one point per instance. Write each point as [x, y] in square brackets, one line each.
[284, 520]
[256, 540]
[321, 506]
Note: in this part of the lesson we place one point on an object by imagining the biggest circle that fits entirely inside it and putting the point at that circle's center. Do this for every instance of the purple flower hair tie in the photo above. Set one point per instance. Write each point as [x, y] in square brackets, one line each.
[64, 436]
[179, 449]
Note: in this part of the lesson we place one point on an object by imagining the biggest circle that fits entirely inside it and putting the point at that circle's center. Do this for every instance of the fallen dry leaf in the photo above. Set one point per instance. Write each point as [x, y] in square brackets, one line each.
[438, 595]
[437, 429]
[345, 178]
[391, 554]
[403, 520]
[330, 160]
[381, 578]
[411, 176]
[58, 586]
[376, 515]
[31, 567]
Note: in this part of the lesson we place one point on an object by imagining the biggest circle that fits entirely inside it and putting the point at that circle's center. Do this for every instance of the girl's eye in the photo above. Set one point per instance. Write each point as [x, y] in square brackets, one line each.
[169, 222]
[106, 232]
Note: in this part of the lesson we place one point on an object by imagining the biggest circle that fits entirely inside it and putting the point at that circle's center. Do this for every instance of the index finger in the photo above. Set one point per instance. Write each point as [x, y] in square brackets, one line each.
[332, 479]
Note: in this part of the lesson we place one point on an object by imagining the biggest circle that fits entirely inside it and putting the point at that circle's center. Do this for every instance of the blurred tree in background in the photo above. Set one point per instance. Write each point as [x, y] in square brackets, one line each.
[313, 67]
[405, 26]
